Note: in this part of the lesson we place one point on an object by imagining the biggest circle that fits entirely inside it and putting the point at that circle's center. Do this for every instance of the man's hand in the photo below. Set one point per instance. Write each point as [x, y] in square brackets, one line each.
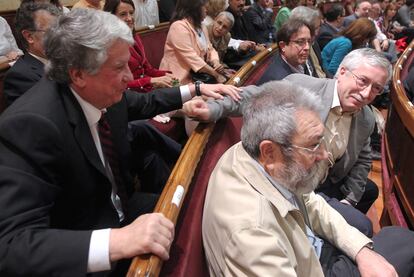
[149, 233]
[246, 45]
[197, 109]
[218, 90]
[372, 264]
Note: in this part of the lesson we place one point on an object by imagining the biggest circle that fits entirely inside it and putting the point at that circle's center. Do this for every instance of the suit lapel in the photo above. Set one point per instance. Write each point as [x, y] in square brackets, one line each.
[81, 129]
[37, 66]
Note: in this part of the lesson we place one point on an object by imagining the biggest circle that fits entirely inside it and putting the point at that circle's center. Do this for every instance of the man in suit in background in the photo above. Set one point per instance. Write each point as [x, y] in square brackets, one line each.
[261, 216]
[349, 123]
[294, 39]
[67, 201]
[32, 21]
[334, 18]
[260, 15]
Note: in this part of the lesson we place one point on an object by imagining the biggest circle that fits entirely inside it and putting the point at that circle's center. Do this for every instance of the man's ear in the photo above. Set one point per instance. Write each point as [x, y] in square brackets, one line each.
[77, 77]
[282, 46]
[28, 36]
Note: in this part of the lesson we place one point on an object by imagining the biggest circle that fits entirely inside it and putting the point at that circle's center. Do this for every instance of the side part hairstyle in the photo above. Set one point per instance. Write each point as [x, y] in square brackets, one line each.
[80, 40]
[271, 114]
[190, 9]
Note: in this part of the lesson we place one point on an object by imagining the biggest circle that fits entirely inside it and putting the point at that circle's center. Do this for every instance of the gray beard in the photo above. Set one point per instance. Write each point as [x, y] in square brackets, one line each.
[297, 179]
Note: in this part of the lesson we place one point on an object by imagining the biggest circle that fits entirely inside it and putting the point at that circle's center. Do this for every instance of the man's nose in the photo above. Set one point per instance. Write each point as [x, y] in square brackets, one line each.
[366, 91]
[321, 155]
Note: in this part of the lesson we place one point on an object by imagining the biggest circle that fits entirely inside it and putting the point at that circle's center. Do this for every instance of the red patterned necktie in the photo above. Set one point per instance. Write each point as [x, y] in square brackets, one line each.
[105, 136]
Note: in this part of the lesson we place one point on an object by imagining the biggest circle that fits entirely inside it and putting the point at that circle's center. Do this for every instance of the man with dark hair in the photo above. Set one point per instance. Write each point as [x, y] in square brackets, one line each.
[334, 18]
[362, 9]
[68, 206]
[294, 39]
[241, 27]
[32, 21]
[260, 15]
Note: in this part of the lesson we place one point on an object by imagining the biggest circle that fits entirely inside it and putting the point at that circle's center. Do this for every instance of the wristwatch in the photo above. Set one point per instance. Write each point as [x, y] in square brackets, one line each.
[197, 88]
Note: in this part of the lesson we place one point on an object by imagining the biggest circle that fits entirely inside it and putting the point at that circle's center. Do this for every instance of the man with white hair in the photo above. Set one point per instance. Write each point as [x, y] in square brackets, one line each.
[349, 123]
[261, 216]
[67, 200]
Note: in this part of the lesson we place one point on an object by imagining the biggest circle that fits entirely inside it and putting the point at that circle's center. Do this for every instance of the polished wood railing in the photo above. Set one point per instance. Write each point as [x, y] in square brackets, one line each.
[398, 150]
[175, 190]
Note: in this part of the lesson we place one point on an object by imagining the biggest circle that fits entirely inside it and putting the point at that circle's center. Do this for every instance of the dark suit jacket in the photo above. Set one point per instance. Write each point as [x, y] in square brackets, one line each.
[349, 19]
[23, 75]
[326, 34]
[261, 27]
[240, 29]
[277, 70]
[53, 186]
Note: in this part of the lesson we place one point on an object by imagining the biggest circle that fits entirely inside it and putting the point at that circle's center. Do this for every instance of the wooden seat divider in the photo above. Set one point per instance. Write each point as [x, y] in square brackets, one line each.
[182, 199]
[398, 150]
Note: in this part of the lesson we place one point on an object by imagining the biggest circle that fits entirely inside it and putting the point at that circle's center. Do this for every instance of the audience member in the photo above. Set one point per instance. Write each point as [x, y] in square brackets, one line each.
[384, 4]
[57, 3]
[260, 16]
[261, 217]
[393, 28]
[403, 14]
[313, 18]
[241, 25]
[356, 35]
[146, 13]
[284, 13]
[32, 22]
[294, 40]
[191, 50]
[72, 209]
[362, 8]
[166, 9]
[334, 18]
[90, 4]
[9, 51]
[145, 76]
[349, 123]
[213, 8]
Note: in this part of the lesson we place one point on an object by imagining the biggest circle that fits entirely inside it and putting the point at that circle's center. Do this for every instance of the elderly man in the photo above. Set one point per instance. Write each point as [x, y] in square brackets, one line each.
[362, 9]
[294, 40]
[67, 202]
[261, 217]
[349, 123]
[32, 21]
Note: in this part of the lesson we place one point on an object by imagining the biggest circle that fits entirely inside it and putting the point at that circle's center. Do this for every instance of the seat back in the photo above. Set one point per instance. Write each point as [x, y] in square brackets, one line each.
[154, 37]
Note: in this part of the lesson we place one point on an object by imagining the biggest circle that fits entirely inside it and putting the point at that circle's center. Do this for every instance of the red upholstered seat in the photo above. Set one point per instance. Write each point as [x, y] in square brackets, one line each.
[187, 254]
[154, 42]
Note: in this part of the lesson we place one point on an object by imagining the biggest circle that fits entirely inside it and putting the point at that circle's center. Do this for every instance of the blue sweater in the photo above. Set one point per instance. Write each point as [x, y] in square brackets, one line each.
[334, 52]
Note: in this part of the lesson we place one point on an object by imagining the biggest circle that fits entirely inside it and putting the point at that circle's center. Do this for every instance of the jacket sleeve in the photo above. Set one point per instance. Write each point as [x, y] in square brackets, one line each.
[339, 51]
[258, 21]
[16, 84]
[330, 225]
[141, 84]
[29, 188]
[257, 252]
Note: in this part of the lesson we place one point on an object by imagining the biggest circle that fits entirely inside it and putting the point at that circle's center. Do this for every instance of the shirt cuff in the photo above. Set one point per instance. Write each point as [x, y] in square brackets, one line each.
[98, 258]
[185, 93]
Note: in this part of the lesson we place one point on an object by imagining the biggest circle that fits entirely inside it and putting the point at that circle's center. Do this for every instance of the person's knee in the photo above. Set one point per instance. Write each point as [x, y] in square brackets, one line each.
[371, 191]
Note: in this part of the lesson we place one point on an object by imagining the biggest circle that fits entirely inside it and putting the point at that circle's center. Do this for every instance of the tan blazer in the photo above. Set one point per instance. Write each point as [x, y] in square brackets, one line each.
[183, 52]
[250, 229]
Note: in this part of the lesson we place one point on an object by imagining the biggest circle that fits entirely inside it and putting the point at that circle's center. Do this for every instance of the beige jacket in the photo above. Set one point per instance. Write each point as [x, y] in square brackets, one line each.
[183, 52]
[250, 229]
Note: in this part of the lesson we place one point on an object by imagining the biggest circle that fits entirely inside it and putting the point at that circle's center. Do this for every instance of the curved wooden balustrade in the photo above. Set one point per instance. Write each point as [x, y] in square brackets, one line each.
[173, 195]
[398, 150]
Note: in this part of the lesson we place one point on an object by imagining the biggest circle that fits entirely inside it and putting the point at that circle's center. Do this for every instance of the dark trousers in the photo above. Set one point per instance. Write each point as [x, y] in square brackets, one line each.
[368, 198]
[154, 155]
[395, 244]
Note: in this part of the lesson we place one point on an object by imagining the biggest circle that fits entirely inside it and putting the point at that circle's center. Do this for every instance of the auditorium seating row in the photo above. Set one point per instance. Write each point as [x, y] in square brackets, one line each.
[398, 150]
[182, 199]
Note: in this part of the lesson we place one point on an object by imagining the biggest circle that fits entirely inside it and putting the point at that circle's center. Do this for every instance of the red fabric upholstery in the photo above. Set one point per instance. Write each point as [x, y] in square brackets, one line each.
[187, 254]
[154, 46]
[258, 72]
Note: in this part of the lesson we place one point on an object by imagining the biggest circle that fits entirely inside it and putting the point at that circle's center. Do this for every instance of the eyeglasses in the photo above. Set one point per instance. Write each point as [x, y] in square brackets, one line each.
[310, 151]
[302, 42]
[363, 82]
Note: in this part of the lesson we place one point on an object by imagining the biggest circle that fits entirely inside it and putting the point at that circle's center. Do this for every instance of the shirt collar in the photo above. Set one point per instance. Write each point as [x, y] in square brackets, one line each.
[336, 104]
[298, 69]
[43, 60]
[91, 113]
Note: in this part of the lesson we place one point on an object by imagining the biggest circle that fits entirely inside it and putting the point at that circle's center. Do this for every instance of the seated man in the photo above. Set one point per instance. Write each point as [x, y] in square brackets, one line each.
[32, 21]
[349, 123]
[294, 39]
[334, 18]
[261, 217]
[261, 28]
[67, 201]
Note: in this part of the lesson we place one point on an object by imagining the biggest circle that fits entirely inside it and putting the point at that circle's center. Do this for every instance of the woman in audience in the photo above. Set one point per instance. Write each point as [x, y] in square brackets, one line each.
[8, 48]
[284, 13]
[214, 7]
[146, 77]
[188, 47]
[356, 35]
[392, 28]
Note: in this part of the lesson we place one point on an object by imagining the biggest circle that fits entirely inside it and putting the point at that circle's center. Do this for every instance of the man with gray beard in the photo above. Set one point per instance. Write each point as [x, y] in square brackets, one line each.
[261, 216]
